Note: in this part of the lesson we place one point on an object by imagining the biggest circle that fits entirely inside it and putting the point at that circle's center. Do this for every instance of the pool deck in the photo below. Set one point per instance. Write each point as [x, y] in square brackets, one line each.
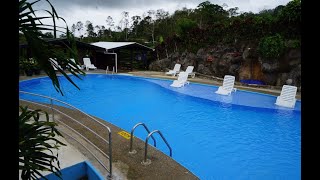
[204, 79]
[128, 166]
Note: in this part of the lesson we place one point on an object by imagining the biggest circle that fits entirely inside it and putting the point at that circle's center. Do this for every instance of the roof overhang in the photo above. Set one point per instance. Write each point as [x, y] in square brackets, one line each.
[79, 44]
[111, 46]
[65, 41]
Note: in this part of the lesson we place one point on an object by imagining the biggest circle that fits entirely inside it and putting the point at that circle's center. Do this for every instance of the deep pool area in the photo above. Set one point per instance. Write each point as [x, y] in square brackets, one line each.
[242, 136]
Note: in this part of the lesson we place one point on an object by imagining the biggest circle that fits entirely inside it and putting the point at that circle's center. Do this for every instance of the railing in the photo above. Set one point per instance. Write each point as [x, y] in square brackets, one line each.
[131, 151]
[109, 141]
[131, 137]
[145, 162]
[107, 70]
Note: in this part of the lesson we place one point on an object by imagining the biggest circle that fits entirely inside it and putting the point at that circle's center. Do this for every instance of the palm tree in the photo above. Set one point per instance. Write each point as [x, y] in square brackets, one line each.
[36, 136]
[36, 142]
[31, 26]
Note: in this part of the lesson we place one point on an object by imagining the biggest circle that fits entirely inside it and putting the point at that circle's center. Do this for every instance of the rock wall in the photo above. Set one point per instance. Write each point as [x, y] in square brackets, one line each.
[243, 63]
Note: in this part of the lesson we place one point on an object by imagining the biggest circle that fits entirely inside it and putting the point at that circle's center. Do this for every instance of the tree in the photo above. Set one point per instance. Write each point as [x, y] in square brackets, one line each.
[79, 27]
[210, 13]
[62, 36]
[289, 19]
[136, 20]
[233, 11]
[49, 34]
[151, 24]
[184, 25]
[161, 14]
[100, 30]
[125, 22]
[90, 29]
[73, 29]
[110, 23]
[22, 38]
[31, 26]
[33, 147]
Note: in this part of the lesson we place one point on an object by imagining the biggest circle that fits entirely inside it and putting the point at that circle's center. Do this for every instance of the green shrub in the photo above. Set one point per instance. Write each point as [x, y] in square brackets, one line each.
[271, 46]
[184, 25]
[293, 44]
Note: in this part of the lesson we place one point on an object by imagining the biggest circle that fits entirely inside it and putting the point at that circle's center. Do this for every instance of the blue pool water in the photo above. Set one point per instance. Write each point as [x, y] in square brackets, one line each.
[243, 136]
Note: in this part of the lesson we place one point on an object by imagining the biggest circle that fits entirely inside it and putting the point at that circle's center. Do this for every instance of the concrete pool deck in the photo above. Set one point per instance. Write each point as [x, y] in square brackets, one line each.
[125, 165]
[128, 166]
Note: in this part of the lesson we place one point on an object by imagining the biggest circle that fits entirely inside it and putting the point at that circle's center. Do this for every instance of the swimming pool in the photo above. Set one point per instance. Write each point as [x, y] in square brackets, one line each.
[243, 136]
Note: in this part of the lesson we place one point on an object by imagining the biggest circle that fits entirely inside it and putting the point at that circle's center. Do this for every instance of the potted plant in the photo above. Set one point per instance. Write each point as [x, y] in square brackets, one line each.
[36, 68]
[27, 67]
[21, 69]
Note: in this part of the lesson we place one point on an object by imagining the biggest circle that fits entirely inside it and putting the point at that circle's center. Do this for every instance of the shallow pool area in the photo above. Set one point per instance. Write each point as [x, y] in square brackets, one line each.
[242, 136]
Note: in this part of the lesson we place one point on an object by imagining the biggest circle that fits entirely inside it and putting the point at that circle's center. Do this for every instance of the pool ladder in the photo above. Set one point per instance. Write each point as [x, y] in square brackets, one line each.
[107, 70]
[145, 160]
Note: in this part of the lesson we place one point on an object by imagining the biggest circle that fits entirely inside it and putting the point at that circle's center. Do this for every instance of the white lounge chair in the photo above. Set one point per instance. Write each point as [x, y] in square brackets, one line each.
[55, 64]
[181, 81]
[227, 86]
[80, 67]
[175, 70]
[87, 64]
[189, 71]
[287, 96]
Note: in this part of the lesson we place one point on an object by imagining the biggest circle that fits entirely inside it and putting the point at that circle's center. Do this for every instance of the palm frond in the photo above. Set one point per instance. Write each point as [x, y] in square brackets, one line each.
[30, 25]
[36, 142]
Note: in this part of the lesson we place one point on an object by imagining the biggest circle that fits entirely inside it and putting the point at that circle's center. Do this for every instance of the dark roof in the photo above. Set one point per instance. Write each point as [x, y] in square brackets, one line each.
[62, 41]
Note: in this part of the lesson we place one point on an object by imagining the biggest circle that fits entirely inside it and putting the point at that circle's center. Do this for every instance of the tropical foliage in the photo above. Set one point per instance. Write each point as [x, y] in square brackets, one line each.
[271, 46]
[37, 139]
[31, 27]
[206, 25]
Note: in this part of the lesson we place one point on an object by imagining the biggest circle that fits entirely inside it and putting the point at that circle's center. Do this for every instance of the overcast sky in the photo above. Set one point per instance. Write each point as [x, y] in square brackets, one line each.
[97, 11]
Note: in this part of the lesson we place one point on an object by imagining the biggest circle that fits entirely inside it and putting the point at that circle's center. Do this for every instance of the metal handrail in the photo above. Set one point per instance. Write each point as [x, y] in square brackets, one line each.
[131, 136]
[109, 130]
[67, 105]
[146, 144]
[75, 130]
[107, 70]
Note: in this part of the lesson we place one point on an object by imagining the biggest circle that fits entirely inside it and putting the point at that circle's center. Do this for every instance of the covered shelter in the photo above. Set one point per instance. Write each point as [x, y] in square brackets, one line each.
[83, 48]
[127, 55]
[129, 52]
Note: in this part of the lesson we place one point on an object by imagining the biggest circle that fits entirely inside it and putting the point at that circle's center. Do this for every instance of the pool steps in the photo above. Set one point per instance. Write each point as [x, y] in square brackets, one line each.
[147, 161]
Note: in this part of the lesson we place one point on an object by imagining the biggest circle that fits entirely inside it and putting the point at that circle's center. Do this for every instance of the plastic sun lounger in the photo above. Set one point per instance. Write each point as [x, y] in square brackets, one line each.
[80, 67]
[227, 86]
[190, 72]
[175, 70]
[181, 81]
[88, 65]
[287, 96]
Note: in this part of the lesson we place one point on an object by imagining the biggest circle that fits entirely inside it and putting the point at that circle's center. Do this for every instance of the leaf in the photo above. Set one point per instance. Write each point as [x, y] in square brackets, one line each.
[36, 144]
[30, 25]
